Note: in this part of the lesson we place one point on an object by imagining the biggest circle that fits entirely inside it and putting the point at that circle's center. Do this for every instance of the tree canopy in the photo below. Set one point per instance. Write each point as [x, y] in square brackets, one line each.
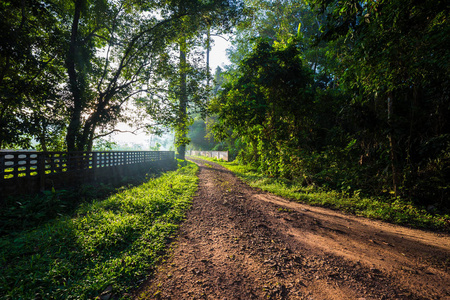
[69, 67]
[343, 94]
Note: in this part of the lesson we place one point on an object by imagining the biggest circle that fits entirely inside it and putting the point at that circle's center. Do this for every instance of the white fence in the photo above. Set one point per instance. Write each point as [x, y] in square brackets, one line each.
[216, 154]
[15, 164]
[32, 171]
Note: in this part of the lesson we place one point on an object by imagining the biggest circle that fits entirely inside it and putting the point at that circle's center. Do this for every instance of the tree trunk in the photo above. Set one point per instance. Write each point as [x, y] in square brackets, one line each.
[42, 139]
[391, 138]
[75, 116]
[208, 48]
[182, 113]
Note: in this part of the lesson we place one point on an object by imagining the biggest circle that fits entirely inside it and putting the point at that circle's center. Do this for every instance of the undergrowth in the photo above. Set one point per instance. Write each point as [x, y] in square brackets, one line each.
[106, 246]
[25, 212]
[393, 210]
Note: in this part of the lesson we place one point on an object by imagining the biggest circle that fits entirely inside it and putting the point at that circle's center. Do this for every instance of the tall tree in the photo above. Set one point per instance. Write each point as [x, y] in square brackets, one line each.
[181, 125]
[76, 63]
[394, 60]
[31, 56]
[181, 86]
[268, 102]
[100, 84]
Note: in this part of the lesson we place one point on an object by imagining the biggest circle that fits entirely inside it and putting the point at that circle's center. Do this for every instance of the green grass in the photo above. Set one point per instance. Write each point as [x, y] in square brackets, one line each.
[396, 211]
[106, 244]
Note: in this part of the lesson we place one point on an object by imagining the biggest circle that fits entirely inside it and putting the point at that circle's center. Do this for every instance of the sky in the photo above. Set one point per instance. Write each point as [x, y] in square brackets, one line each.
[217, 55]
[217, 58]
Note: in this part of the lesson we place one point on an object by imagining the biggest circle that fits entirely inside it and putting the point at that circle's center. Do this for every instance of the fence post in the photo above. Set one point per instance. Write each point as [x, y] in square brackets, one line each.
[41, 171]
[94, 164]
[2, 173]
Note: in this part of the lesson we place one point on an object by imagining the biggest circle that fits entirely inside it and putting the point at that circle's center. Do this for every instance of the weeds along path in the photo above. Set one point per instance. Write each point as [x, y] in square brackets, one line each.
[241, 243]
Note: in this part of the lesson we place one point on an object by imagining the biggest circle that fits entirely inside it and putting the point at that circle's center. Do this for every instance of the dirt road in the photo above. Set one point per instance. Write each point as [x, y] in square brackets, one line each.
[241, 243]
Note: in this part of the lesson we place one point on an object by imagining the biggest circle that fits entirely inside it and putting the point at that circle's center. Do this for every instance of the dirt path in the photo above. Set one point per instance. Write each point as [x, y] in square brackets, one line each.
[240, 243]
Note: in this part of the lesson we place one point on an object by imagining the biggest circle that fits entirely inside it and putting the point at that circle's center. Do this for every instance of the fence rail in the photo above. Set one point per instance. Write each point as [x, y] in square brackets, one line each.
[18, 168]
[27, 164]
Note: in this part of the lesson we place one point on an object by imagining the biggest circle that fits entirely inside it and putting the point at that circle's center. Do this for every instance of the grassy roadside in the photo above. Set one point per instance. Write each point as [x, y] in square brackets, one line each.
[105, 247]
[396, 211]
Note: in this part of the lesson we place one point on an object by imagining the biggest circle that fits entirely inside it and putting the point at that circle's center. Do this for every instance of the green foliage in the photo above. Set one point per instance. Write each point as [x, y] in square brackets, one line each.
[25, 212]
[393, 63]
[31, 71]
[345, 95]
[180, 84]
[197, 136]
[131, 41]
[68, 68]
[104, 145]
[278, 21]
[157, 147]
[268, 103]
[110, 243]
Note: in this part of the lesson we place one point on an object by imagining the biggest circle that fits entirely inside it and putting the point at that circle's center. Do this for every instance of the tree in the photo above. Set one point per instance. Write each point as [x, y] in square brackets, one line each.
[69, 67]
[197, 133]
[181, 87]
[394, 60]
[277, 21]
[30, 72]
[100, 85]
[267, 101]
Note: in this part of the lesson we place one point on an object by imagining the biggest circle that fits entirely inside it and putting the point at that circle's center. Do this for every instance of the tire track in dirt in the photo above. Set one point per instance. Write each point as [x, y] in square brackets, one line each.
[241, 243]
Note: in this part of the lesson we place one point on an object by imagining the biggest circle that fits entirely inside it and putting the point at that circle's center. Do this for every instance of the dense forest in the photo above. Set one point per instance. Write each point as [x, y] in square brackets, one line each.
[347, 95]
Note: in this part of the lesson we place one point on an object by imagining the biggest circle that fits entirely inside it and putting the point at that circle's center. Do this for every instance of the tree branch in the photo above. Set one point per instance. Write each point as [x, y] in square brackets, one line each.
[122, 131]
